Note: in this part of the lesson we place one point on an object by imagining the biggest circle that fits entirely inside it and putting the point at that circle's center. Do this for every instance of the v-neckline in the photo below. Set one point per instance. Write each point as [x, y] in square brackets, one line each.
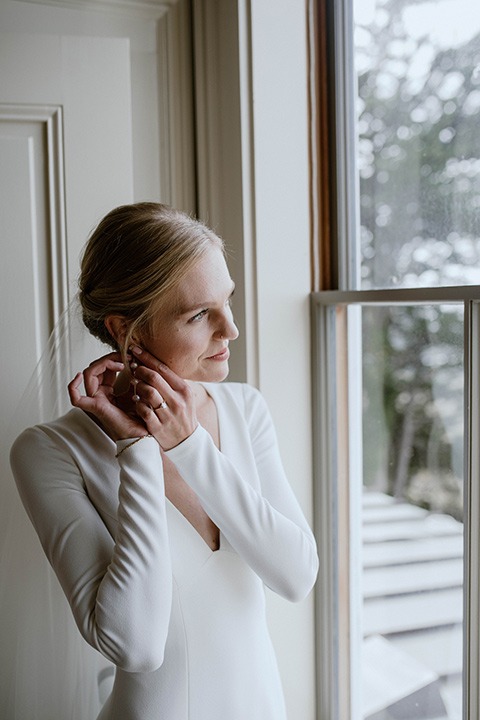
[193, 530]
[206, 387]
[187, 521]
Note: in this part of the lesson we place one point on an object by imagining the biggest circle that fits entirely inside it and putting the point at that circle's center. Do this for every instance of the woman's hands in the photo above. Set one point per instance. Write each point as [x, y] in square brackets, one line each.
[163, 404]
[164, 401]
[116, 413]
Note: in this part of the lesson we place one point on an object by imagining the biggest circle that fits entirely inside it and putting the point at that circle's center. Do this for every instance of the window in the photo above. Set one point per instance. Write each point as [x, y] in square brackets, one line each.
[417, 109]
[396, 360]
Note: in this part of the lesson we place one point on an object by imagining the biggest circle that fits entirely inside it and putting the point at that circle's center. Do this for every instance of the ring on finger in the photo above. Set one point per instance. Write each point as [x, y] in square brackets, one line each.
[162, 406]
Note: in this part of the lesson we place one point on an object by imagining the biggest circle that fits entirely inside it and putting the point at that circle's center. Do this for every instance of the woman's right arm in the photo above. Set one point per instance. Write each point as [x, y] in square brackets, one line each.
[119, 588]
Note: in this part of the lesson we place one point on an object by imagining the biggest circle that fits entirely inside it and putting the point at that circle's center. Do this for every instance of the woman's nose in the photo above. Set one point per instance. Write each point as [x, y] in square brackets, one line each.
[227, 329]
[233, 331]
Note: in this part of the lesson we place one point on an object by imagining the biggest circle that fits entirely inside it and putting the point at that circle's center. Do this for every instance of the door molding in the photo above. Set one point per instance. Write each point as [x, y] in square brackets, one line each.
[51, 120]
[176, 112]
[149, 9]
[225, 158]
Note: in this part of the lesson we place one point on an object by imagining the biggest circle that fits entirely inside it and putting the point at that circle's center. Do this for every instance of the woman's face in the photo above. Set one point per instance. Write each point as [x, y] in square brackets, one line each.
[191, 331]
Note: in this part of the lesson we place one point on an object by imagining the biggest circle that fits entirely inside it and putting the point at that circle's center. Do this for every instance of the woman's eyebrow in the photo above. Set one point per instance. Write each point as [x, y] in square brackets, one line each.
[184, 310]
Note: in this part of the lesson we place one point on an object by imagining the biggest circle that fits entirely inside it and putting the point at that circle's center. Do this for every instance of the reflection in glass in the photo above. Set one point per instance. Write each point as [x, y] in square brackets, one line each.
[418, 144]
[412, 579]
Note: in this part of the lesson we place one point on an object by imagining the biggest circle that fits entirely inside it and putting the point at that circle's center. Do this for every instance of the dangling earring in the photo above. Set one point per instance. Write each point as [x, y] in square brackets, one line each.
[133, 363]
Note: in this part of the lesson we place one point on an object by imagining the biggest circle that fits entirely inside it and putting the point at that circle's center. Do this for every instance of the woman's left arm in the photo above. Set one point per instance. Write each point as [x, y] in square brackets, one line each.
[266, 527]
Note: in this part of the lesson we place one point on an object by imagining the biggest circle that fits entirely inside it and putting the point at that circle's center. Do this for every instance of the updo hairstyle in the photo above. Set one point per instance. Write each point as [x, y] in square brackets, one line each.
[133, 260]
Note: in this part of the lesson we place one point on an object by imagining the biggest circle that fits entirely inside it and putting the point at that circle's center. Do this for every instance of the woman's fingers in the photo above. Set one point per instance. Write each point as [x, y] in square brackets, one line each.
[102, 372]
[151, 362]
[148, 394]
[150, 385]
[73, 391]
[84, 402]
[117, 418]
[164, 401]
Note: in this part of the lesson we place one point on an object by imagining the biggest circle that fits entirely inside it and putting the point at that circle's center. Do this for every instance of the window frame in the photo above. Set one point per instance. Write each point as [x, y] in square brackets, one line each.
[339, 695]
[334, 406]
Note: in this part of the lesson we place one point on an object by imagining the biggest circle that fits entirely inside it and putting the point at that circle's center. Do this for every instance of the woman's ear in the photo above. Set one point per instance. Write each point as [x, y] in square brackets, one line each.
[117, 326]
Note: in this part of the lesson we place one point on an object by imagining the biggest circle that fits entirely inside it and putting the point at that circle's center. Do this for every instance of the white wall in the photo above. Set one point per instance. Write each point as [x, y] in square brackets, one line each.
[253, 173]
[282, 229]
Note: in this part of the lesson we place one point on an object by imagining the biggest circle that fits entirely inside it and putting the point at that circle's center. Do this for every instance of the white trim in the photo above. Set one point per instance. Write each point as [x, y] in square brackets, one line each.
[398, 296]
[51, 117]
[207, 61]
[148, 9]
[163, 112]
[176, 108]
[355, 465]
[325, 508]
[346, 190]
[312, 82]
[225, 158]
[56, 192]
[28, 113]
[471, 675]
[252, 180]
[248, 193]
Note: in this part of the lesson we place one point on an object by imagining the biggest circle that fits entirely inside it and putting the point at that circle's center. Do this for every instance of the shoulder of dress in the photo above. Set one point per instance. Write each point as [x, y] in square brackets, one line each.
[27, 439]
[32, 451]
[72, 418]
[48, 434]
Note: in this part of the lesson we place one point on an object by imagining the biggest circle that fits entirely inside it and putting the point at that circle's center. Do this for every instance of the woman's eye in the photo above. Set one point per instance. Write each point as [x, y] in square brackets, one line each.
[198, 316]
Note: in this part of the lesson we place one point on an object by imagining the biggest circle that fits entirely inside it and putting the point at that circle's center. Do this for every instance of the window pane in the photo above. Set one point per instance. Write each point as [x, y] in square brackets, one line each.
[418, 145]
[412, 580]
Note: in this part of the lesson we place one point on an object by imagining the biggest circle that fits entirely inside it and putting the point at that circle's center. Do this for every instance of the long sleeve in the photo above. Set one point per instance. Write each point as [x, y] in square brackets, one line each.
[265, 526]
[120, 588]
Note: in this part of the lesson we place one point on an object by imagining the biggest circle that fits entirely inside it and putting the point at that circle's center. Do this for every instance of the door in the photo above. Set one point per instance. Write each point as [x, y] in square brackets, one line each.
[82, 127]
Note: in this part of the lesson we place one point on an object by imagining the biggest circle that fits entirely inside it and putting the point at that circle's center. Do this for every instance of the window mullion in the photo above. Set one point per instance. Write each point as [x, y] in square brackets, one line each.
[347, 213]
[325, 506]
[472, 512]
[355, 485]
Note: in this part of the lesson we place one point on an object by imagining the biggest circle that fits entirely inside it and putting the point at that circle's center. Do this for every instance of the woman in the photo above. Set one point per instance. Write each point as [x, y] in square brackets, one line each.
[160, 499]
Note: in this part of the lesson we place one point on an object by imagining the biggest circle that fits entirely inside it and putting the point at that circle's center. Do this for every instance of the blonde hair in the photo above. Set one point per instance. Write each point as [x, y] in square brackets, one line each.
[133, 260]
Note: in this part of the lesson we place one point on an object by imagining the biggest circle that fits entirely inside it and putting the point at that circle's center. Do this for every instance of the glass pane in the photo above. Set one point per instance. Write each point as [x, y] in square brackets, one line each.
[418, 144]
[412, 579]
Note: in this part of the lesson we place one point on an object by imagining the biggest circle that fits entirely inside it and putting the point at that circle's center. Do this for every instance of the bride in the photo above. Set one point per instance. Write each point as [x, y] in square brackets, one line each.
[160, 499]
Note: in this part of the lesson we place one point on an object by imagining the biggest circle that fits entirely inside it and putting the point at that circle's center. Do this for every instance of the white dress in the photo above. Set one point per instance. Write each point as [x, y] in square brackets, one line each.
[184, 625]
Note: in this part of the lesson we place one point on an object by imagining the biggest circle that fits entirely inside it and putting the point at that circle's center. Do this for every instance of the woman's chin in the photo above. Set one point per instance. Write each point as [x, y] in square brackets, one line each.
[213, 375]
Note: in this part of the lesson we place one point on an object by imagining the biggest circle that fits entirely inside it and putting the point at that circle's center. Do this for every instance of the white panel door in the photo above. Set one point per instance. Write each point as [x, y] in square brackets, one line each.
[96, 110]
[65, 159]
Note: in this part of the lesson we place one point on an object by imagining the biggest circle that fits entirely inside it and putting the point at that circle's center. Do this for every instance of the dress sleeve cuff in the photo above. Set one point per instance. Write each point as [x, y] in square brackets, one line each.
[190, 446]
[132, 445]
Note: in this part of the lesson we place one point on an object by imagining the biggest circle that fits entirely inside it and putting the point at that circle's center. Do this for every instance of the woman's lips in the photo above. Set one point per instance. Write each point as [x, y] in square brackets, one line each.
[224, 355]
